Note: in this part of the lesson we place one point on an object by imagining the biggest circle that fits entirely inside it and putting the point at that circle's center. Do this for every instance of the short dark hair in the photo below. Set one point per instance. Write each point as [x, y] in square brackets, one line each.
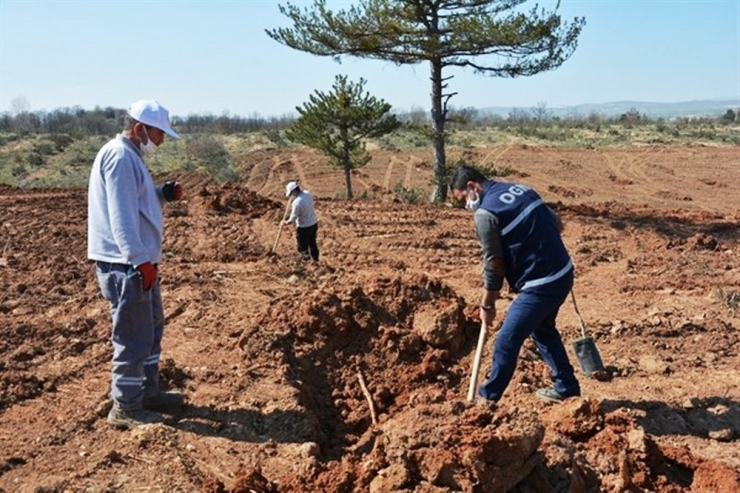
[463, 175]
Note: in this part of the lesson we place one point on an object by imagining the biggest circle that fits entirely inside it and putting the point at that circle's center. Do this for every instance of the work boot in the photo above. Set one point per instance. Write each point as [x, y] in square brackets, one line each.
[164, 402]
[132, 418]
[553, 396]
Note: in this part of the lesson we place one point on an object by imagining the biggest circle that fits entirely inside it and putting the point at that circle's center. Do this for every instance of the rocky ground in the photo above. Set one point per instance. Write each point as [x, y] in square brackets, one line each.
[352, 375]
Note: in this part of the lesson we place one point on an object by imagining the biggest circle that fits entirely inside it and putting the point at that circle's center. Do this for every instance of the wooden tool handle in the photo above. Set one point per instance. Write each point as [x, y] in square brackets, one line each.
[476, 362]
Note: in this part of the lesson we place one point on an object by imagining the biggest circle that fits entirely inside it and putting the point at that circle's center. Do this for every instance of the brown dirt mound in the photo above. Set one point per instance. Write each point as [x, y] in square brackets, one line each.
[387, 329]
[366, 326]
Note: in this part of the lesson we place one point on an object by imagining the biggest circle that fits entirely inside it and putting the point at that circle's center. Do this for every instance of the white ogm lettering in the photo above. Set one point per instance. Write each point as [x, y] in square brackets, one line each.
[514, 192]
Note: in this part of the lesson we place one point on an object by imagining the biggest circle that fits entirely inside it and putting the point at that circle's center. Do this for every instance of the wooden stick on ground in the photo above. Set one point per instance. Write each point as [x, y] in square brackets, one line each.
[369, 398]
[280, 228]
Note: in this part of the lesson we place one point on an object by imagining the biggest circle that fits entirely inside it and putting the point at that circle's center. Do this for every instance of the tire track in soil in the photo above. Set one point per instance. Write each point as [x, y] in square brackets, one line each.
[388, 173]
[408, 167]
[562, 184]
[635, 166]
[301, 172]
[407, 178]
[638, 167]
[631, 169]
[624, 171]
[259, 175]
[359, 178]
[495, 155]
[389, 235]
[411, 164]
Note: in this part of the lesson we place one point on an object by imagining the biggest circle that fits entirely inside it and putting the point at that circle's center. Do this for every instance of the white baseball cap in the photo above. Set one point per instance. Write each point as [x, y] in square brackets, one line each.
[150, 112]
[292, 185]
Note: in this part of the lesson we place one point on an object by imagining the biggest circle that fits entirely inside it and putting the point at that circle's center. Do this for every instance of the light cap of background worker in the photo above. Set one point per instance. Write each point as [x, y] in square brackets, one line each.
[292, 185]
[150, 112]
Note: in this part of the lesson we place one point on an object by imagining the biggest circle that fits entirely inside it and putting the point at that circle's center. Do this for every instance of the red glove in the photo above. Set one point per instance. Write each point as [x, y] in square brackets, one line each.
[178, 191]
[148, 275]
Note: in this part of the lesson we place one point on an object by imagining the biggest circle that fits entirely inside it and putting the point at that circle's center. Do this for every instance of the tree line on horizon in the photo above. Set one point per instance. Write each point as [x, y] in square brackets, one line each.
[56, 149]
[78, 122]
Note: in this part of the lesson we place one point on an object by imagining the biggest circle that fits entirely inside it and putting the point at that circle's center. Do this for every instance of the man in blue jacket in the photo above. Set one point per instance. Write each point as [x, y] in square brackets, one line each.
[125, 226]
[520, 237]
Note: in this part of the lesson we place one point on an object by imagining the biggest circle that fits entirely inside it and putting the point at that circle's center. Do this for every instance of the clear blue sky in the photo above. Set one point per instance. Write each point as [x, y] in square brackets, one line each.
[213, 57]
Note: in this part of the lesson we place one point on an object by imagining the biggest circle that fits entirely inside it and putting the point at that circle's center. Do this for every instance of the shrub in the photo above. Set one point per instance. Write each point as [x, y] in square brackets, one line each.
[276, 137]
[35, 159]
[61, 141]
[45, 148]
[208, 153]
[409, 195]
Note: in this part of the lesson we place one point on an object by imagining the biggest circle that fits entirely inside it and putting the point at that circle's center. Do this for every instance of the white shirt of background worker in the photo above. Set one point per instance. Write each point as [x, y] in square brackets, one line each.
[303, 214]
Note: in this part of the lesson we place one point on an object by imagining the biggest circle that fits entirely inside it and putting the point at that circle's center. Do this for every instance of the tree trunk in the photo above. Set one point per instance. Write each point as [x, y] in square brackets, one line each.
[346, 160]
[438, 133]
[348, 179]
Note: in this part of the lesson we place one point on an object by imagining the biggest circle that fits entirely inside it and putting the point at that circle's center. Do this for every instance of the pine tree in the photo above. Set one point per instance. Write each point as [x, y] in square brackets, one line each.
[488, 36]
[338, 123]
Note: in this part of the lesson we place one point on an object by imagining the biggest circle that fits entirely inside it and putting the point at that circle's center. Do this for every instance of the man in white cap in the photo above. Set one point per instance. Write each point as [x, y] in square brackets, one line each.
[303, 213]
[125, 226]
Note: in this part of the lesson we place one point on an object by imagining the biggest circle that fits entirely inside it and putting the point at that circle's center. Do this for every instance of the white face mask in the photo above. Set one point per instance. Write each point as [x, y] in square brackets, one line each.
[149, 147]
[472, 204]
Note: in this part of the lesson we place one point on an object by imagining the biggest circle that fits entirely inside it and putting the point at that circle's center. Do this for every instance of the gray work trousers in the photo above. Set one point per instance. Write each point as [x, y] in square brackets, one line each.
[137, 327]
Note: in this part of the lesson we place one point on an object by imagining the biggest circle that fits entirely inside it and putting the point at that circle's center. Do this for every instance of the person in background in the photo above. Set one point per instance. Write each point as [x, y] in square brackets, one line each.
[303, 213]
[520, 238]
[125, 226]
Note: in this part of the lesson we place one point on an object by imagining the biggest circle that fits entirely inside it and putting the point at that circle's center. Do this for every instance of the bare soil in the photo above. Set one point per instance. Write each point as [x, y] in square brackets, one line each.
[273, 354]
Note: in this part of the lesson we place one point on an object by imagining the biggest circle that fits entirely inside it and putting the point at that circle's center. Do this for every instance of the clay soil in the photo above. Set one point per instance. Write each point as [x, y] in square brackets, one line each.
[273, 355]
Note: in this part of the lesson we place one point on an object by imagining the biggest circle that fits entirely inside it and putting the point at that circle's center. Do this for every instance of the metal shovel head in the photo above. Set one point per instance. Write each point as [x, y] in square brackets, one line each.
[588, 356]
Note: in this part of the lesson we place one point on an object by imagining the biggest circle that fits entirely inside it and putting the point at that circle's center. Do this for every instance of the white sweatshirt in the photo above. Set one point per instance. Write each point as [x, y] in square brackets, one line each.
[302, 210]
[124, 211]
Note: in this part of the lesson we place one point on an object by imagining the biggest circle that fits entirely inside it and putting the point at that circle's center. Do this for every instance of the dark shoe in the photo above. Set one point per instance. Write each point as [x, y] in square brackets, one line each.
[552, 395]
[131, 419]
[164, 402]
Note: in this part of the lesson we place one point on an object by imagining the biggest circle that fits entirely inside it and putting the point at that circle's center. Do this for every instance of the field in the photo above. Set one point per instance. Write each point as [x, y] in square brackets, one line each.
[273, 354]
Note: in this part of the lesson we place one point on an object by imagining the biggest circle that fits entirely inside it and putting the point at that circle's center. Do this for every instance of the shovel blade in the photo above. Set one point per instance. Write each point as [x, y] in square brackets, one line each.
[588, 356]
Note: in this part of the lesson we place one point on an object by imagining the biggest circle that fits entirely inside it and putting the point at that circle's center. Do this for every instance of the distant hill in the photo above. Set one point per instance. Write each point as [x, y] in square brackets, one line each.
[710, 107]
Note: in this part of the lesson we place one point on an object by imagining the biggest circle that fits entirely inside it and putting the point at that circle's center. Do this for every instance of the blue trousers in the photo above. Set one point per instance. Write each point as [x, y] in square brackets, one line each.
[532, 313]
[137, 327]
